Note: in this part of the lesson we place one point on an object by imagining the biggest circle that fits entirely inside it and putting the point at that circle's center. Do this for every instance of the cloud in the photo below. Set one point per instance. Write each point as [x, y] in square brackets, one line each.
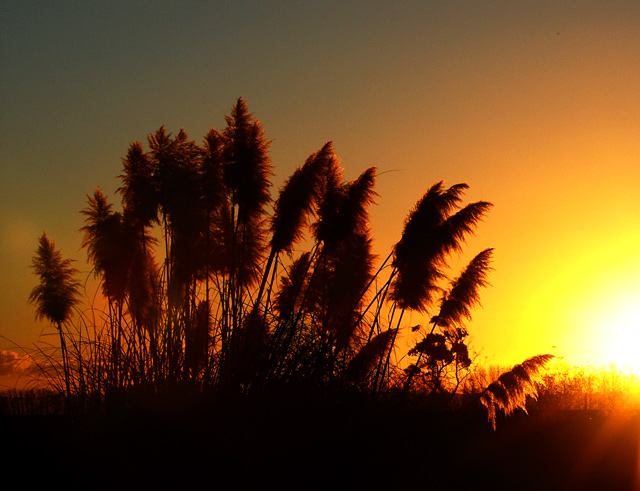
[12, 364]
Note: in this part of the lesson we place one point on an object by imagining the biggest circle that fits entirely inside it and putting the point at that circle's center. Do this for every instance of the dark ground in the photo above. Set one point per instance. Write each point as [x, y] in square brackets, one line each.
[298, 448]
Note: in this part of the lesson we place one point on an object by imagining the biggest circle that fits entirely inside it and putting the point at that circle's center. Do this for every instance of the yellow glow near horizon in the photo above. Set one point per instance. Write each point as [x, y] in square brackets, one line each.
[607, 321]
[621, 327]
[587, 302]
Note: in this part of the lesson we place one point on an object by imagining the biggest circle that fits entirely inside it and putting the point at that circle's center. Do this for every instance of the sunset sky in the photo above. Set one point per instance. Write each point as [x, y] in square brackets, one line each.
[534, 104]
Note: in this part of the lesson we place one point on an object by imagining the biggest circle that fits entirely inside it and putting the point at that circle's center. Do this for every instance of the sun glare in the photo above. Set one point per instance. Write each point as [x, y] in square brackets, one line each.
[601, 289]
[622, 329]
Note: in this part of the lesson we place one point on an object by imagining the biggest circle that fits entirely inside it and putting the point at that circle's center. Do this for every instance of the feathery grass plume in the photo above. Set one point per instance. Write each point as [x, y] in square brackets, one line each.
[343, 208]
[108, 238]
[162, 155]
[320, 175]
[221, 235]
[175, 162]
[142, 283]
[108, 245]
[160, 143]
[462, 223]
[456, 304]
[246, 173]
[427, 215]
[213, 191]
[185, 209]
[431, 232]
[295, 202]
[512, 388]
[291, 212]
[139, 194]
[360, 194]
[185, 213]
[246, 164]
[140, 203]
[58, 291]
[56, 294]
[329, 168]
[211, 169]
[232, 254]
[365, 359]
[331, 194]
[416, 255]
[345, 267]
[239, 255]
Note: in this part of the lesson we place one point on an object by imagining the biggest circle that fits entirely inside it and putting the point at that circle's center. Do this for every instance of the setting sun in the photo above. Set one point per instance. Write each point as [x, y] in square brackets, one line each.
[623, 329]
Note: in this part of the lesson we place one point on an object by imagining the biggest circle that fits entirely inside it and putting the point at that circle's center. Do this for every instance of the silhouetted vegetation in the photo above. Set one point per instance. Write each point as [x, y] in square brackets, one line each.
[212, 291]
[607, 390]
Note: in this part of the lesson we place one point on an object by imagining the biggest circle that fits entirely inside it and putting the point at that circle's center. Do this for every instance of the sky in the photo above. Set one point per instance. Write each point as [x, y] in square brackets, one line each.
[534, 104]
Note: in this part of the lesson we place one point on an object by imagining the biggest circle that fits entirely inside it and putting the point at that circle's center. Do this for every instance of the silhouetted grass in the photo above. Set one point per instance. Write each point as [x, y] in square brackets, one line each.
[31, 402]
[207, 297]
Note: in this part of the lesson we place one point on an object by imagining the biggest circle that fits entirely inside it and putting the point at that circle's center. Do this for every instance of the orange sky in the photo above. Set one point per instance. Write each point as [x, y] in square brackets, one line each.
[536, 106]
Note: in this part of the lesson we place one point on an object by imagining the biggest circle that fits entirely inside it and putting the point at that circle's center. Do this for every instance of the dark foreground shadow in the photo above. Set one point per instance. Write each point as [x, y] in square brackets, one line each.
[303, 448]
